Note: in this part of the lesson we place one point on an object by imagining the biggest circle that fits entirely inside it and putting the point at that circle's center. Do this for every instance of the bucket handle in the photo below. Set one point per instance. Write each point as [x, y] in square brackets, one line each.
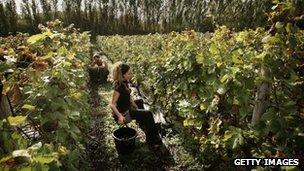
[123, 125]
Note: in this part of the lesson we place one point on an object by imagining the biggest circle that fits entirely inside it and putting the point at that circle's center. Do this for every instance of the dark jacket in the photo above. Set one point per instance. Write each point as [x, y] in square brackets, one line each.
[98, 75]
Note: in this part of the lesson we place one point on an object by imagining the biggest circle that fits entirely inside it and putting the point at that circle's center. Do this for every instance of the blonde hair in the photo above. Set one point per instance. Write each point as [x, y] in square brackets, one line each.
[117, 75]
[119, 70]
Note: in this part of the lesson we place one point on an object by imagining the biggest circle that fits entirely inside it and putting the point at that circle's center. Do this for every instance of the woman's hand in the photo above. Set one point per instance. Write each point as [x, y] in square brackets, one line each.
[121, 119]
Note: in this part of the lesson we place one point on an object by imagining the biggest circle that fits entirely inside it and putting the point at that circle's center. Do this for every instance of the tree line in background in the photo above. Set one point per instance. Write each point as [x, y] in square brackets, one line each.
[128, 17]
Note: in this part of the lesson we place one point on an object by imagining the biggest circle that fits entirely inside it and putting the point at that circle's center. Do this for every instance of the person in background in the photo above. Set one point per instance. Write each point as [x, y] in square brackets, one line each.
[124, 108]
[98, 75]
[98, 70]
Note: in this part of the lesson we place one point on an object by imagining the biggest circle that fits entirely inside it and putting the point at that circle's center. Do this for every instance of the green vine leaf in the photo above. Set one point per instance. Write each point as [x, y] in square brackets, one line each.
[16, 120]
[29, 107]
[45, 159]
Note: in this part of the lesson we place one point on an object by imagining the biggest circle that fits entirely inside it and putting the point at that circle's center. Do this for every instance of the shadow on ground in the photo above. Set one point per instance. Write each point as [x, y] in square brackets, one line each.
[145, 158]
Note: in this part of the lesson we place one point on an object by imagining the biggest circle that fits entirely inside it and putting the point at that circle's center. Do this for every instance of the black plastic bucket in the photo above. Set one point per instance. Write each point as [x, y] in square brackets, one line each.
[124, 139]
